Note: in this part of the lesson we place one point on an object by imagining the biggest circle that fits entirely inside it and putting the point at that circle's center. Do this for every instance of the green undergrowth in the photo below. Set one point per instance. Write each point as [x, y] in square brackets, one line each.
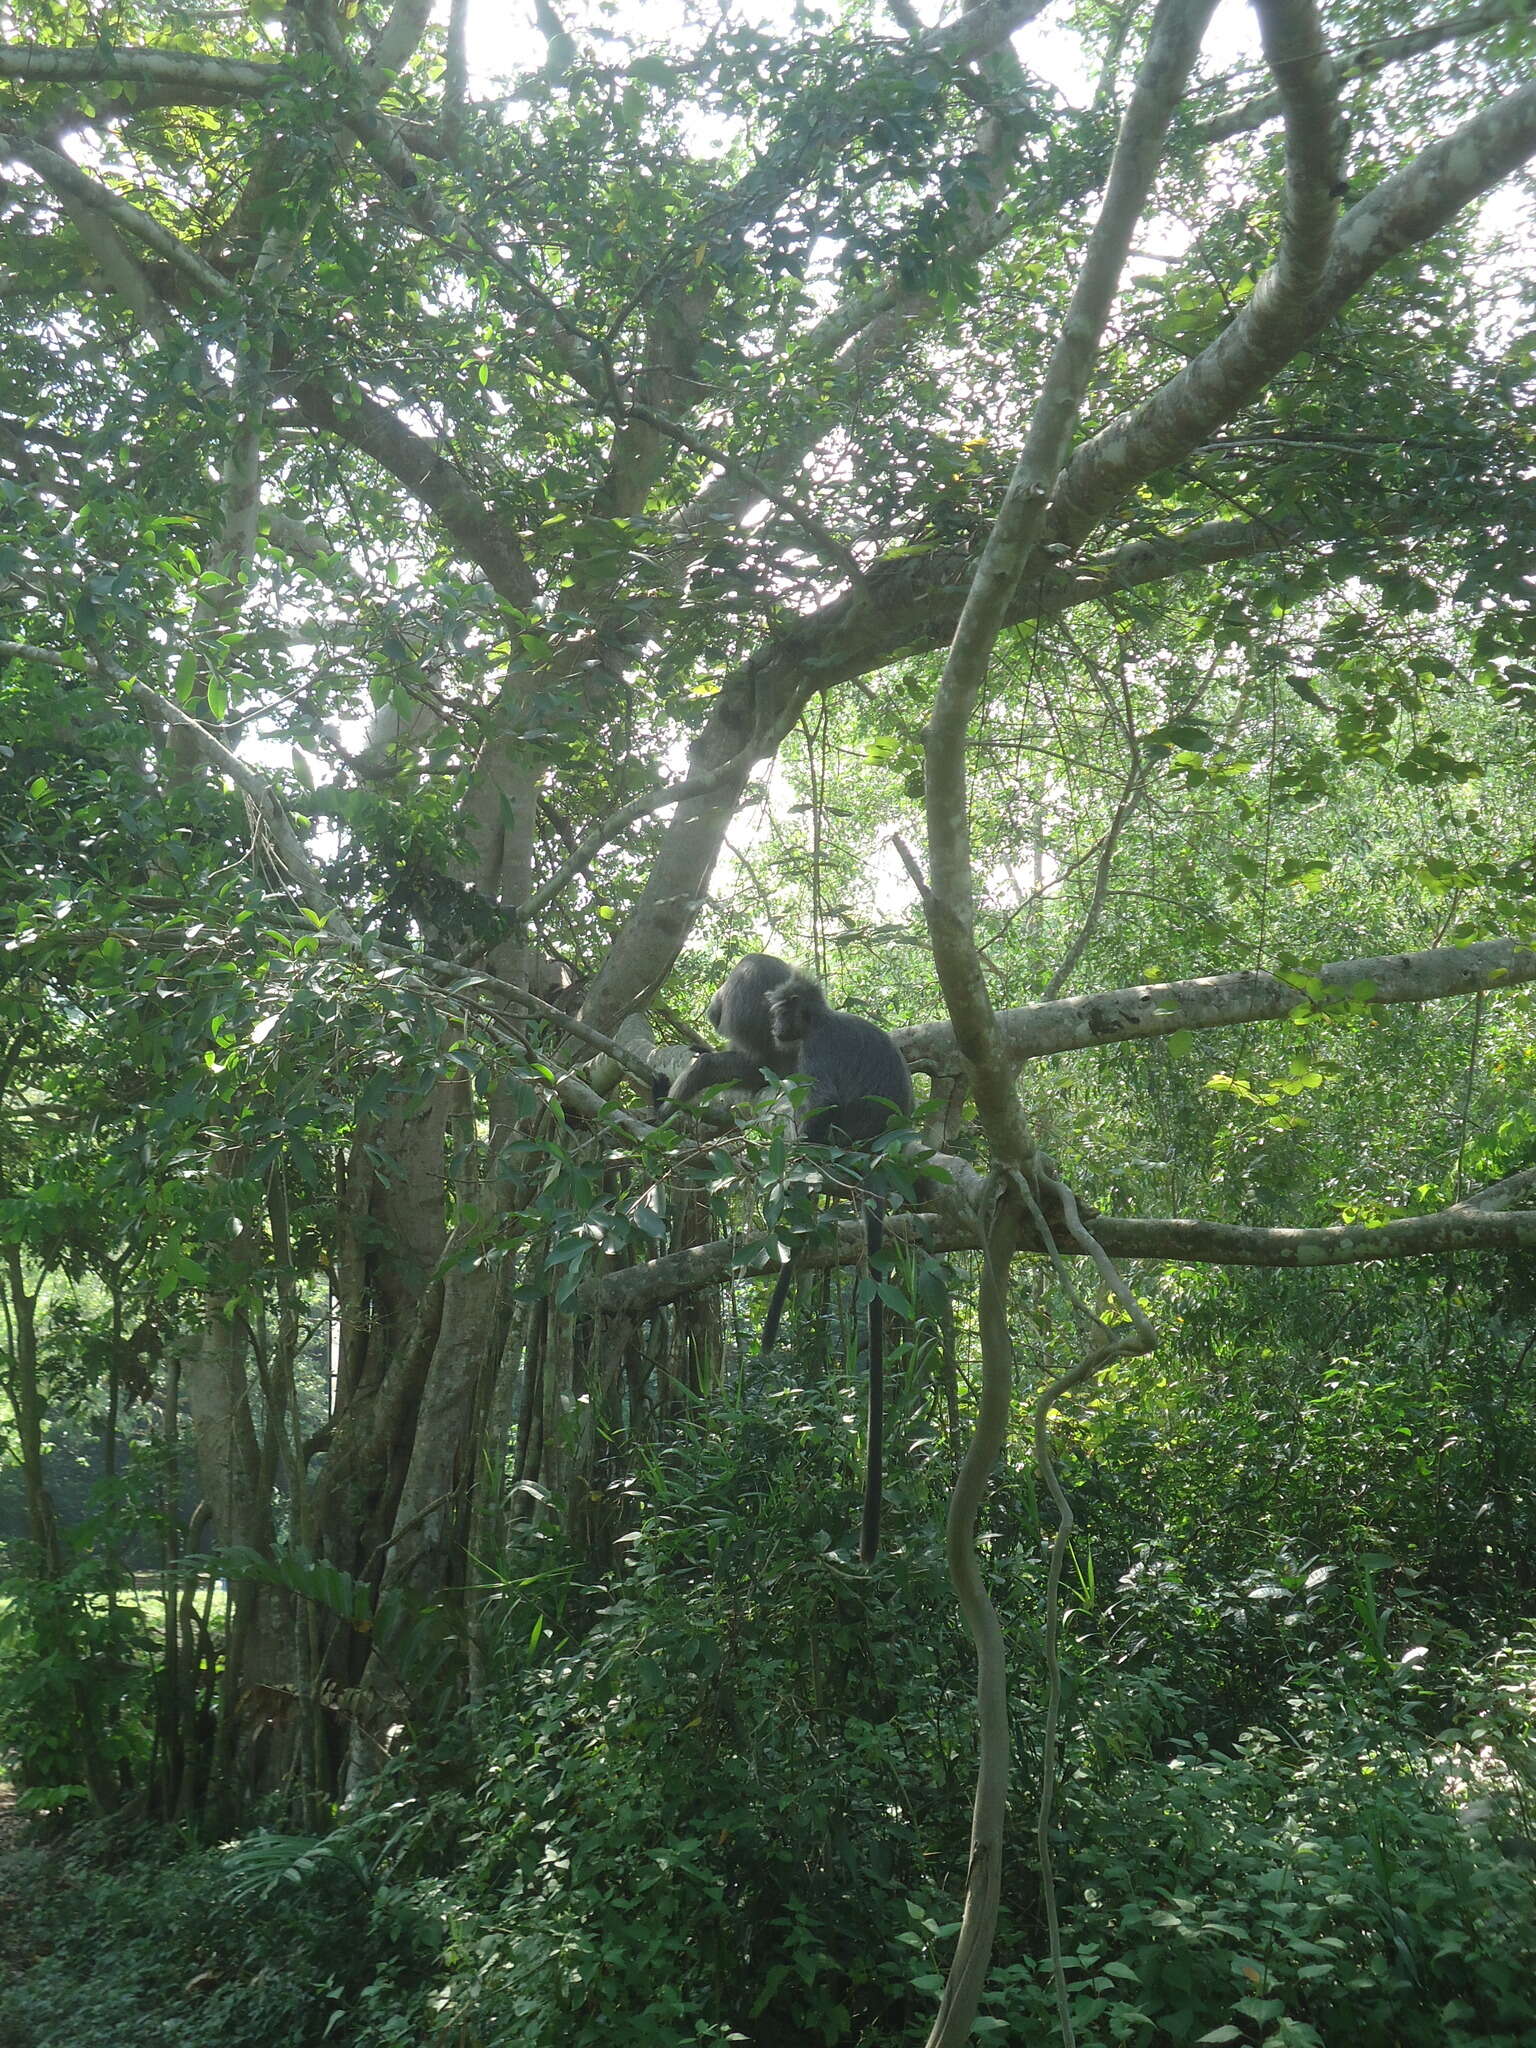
[723, 1796]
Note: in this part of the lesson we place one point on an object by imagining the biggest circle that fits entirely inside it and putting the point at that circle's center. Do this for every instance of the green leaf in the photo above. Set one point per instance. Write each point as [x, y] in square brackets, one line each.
[1261, 2009]
[1180, 736]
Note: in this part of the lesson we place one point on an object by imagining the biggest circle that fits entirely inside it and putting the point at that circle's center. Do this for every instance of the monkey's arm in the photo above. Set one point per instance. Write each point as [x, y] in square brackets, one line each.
[714, 1070]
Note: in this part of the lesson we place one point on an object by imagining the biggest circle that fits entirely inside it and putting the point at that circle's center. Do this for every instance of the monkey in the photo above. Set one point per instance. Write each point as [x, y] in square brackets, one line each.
[858, 1077]
[859, 1081]
[778, 1022]
[738, 1010]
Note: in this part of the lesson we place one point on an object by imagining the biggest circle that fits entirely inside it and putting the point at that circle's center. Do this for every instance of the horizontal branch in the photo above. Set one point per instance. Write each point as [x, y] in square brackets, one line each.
[1351, 1244]
[1212, 1002]
[30, 64]
[910, 604]
[642, 1290]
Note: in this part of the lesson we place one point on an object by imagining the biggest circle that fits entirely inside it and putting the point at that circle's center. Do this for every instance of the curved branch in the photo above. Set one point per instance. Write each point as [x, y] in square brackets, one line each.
[706, 783]
[120, 268]
[967, 1974]
[1362, 60]
[824, 541]
[1172, 48]
[1303, 71]
[754, 712]
[265, 806]
[396, 42]
[1281, 318]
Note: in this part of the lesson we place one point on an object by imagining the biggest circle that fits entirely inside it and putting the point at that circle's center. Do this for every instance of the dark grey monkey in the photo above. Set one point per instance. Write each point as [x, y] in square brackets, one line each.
[780, 1022]
[860, 1084]
[739, 1012]
[776, 1021]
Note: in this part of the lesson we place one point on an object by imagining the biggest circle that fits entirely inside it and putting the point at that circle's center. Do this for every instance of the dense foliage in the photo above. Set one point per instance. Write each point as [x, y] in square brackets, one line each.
[1028, 514]
[728, 1805]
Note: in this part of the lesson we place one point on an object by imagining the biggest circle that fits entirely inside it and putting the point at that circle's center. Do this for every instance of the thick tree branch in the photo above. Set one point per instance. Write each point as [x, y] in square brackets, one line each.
[1468, 1227]
[950, 904]
[592, 843]
[1212, 1002]
[1363, 60]
[1303, 72]
[196, 76]
[455, 75]
[1279, 319]
[397, 42]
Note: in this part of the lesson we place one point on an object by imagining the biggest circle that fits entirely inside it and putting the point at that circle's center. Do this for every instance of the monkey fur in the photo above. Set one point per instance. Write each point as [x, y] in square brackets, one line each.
[777, 1023]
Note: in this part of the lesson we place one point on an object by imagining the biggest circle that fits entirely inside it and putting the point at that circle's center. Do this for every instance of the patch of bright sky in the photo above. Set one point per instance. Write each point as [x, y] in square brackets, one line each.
[504, 43]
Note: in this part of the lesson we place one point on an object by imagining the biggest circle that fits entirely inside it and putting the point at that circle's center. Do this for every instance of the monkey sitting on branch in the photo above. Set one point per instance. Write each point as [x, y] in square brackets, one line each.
[777, 1023]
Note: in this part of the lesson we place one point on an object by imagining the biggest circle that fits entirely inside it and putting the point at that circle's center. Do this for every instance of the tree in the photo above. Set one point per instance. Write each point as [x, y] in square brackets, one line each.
[677, 400]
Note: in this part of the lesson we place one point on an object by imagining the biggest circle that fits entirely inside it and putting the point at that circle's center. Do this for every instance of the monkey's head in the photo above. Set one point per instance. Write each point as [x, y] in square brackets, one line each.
[739, 1008]
[794, 1008]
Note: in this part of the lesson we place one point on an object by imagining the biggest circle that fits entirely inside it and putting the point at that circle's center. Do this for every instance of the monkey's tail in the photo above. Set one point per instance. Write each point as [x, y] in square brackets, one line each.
[776, 1303]
[874, 1459]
